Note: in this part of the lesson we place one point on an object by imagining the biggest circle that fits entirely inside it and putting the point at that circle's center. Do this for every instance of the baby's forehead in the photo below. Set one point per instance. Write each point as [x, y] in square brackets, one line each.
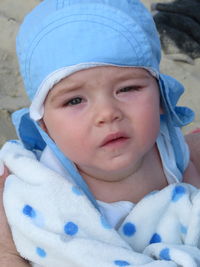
[101, 74]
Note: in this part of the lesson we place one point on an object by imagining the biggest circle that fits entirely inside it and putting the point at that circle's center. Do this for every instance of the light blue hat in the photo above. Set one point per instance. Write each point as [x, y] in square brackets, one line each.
[65, 33]
[61, 33]
[60, 37]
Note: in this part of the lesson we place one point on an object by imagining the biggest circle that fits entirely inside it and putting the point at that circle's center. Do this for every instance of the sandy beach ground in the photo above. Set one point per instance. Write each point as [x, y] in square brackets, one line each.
[12, 95]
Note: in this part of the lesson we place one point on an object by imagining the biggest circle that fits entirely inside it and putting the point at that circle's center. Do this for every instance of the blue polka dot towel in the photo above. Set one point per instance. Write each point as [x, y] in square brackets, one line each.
[54, 224]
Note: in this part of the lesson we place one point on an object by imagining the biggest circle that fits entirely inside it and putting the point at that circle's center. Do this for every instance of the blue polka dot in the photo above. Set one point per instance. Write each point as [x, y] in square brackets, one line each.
[183, 229]
[77, 191]
[164, 254]
[156, 238]
[129, 229]
[105, 223]
[41, 252]
[36, 216]
[178, 192]
[29, 211]
[71, 228]
[121, 263]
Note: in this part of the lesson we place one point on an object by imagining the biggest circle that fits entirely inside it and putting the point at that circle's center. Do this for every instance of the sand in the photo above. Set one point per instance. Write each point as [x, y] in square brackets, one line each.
[12, 95]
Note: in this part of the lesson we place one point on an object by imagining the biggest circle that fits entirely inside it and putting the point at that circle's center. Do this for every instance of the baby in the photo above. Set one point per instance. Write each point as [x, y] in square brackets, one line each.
[100, 143]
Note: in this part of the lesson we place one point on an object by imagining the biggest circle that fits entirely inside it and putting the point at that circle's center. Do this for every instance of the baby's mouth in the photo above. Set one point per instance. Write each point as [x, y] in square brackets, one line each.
[114, 138]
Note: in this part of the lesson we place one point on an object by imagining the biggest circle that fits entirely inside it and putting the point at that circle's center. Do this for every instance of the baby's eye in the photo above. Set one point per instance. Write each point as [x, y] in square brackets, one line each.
[128, 89]
[74, 101]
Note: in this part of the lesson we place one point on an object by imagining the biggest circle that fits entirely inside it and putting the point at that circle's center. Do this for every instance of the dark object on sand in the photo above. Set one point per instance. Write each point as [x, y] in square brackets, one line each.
[178, 24]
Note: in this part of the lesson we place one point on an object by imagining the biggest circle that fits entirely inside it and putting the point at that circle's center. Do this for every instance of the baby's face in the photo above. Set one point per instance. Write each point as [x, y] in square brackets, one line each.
[105, 119]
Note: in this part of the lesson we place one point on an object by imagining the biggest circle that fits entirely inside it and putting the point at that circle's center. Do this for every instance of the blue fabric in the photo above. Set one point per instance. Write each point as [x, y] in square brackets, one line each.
[27, 131]
[96, 31]
[60, 33]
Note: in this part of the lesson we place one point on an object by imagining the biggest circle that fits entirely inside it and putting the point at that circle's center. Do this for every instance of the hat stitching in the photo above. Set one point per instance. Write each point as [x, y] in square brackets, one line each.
[60, 4]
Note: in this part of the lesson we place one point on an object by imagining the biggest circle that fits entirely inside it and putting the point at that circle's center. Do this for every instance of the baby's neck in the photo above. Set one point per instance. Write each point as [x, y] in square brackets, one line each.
[133, 187]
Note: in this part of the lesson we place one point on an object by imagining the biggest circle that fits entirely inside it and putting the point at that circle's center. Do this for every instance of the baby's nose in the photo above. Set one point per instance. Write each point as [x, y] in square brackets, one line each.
[107, 113]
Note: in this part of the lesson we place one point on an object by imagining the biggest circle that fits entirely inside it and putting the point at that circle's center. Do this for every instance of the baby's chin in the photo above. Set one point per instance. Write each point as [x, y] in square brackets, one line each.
[111, 173]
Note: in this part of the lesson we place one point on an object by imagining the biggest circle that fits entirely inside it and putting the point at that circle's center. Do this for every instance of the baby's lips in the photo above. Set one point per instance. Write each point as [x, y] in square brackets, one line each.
[113, 136]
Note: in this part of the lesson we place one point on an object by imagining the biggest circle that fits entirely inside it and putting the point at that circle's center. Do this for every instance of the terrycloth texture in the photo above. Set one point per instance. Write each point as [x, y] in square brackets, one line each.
[54, 224]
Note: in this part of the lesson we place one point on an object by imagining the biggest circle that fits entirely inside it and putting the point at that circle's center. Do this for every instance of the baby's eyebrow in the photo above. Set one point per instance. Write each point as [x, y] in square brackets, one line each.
[63, 90]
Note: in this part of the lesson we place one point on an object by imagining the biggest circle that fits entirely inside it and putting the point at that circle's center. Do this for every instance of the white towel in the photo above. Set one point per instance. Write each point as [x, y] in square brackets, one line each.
[54, 224]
